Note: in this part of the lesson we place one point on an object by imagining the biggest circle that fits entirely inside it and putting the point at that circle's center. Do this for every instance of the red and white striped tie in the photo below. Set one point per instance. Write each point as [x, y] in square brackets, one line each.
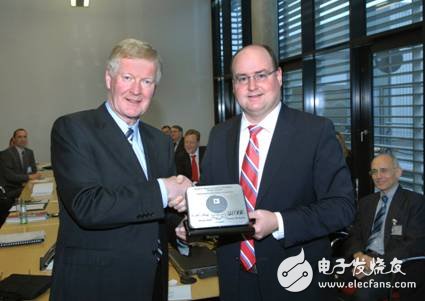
[248, 181]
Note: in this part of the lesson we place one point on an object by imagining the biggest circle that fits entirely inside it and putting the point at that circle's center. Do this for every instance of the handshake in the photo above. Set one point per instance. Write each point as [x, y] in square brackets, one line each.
[176, 190]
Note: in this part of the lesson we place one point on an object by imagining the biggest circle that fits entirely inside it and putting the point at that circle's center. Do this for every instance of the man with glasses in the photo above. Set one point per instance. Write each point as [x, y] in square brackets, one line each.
[389, 224]
[296, 184]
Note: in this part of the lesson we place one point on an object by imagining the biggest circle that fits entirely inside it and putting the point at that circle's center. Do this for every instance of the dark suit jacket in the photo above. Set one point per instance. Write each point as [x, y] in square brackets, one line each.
[111, 216]
[408, 209]
[6, 199]
[15, 173]
[180, 147]
[184, 164]
[305, 178]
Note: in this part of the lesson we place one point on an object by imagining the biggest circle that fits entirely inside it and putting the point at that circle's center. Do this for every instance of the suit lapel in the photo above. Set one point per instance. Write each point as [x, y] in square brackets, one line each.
[278, 151]
[149, 149]
[17, 159]
[232, 150]
[369, 215]
[115, 140]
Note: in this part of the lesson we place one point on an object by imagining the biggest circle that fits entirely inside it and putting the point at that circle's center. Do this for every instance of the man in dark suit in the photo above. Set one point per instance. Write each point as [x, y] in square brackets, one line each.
[19, 162]
[295, 171]
[389, 223]
[177, 137]
[114, 177]
[6, 197]
[188, 162]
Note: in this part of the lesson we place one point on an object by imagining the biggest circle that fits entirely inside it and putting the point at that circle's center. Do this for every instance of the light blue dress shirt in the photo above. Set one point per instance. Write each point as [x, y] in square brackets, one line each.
[138, 149]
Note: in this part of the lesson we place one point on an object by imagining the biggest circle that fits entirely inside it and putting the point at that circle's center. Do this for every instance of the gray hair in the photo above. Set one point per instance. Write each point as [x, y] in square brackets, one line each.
[133, 49]
[388, 152]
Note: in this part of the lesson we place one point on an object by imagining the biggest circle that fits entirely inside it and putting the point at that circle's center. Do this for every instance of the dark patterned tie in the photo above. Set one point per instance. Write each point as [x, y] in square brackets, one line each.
[378, 221]
[129, 135]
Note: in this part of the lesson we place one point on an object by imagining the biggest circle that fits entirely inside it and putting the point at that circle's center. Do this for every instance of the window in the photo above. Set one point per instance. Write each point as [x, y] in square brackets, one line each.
[236, 25]
[384, 15]
[289, 28]
[398, 110]
[331, 22]
[333, 90]
[292, 89]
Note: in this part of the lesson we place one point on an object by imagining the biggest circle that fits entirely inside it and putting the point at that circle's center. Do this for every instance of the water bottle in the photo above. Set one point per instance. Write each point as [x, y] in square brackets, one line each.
[23, 217]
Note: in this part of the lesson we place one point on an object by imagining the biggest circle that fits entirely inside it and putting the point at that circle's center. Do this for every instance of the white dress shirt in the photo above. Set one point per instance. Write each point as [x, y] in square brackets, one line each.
[264, 138]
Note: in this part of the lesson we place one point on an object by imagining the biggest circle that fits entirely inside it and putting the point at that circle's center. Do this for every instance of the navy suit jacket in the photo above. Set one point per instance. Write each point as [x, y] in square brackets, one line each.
[407, 210]
[305, 178]
[111, 216]
[180, 147]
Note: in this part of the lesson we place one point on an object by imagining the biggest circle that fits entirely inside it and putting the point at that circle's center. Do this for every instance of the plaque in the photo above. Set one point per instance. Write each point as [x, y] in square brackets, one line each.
[217, 210]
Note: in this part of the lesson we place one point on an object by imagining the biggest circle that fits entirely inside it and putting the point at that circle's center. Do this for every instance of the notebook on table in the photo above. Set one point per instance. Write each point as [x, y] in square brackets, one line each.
[25, 238]
[23, 287]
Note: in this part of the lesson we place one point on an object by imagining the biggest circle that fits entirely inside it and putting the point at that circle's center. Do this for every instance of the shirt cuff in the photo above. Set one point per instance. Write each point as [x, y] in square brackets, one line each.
[280, 232]
[163, 193]
[183, 248]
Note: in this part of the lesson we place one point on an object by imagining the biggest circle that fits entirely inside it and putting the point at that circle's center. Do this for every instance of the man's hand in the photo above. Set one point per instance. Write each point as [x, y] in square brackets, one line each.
[181, 231]
[360, 256]
[265, 223]
[176, 189]
[35, 176]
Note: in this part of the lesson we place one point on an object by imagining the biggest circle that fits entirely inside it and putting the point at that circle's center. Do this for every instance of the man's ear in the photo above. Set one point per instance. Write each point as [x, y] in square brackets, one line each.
[398, 172]
[108, 79]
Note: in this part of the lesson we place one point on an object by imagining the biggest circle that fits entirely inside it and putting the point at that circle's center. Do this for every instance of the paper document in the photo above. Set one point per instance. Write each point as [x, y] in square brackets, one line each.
[42, 189]
[179, 292]
[32, 205]
[42, 180]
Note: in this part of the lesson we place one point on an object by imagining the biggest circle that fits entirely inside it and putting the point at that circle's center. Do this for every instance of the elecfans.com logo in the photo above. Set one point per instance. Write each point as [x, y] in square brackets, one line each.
[295, 273]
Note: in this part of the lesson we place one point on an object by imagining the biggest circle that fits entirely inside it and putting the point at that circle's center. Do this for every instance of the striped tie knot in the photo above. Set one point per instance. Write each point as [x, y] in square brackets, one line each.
[384, 199]
[254, 130]
[129, 135]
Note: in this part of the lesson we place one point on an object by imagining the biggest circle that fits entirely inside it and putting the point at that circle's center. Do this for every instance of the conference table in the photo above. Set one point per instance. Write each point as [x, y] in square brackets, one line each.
[25, 259]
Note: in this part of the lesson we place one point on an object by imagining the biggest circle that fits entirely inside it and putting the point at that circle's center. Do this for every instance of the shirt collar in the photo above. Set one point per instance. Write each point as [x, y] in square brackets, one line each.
[268, 123]
[121, 123]
[391, 192]
[195, 153]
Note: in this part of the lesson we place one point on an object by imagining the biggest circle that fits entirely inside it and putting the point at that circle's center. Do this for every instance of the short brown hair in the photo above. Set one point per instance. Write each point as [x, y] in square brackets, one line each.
[18, 130]
[266, 48]
[193, 132]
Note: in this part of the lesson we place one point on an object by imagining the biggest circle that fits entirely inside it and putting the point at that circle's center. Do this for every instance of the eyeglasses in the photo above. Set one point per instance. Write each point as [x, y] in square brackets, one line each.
[257, 77]
[383, 171]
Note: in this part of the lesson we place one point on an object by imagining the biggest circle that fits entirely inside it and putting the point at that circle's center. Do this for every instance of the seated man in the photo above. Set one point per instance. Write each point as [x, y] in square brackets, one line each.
[389, 223]
[18, 162]
[6, 197]
[188, 162]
